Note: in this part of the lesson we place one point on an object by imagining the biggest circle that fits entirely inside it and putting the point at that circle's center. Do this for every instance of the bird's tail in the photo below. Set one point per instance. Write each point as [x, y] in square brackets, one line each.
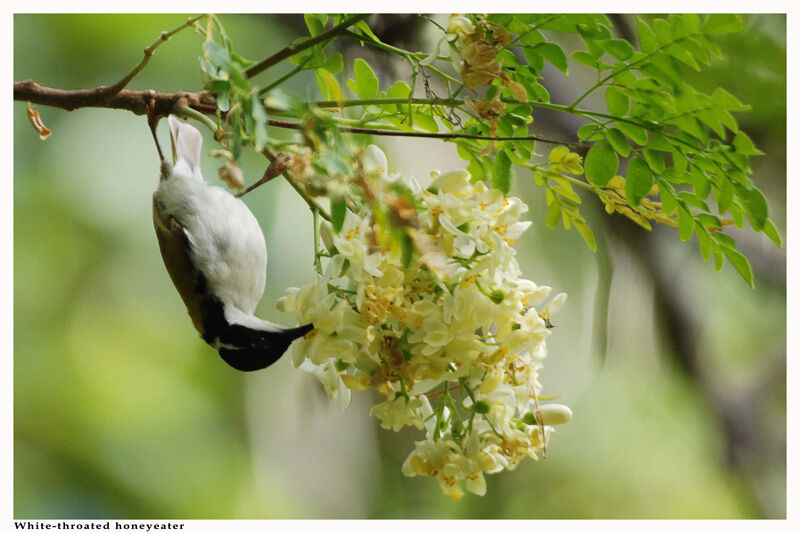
[248, 349]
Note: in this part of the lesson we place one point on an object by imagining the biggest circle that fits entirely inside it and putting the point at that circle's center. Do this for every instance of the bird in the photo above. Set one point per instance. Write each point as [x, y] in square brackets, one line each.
[215, 253]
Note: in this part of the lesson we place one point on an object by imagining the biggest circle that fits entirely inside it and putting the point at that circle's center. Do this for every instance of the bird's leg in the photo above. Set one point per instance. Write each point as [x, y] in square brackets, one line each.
[152, 121]
[275, 169]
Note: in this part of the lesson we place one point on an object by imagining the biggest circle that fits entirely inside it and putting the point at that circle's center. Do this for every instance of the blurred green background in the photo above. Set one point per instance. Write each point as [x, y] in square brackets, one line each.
[121, 411]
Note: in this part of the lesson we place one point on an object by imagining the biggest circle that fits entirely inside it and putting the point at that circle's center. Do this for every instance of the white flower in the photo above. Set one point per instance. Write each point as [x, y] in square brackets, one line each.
[397, 412]
[374, 162]
[469, 336]
[465, 243]
[460, 25]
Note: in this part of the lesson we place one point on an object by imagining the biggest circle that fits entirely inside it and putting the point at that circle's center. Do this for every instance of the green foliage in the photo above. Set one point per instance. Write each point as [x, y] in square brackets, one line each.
[684, 159]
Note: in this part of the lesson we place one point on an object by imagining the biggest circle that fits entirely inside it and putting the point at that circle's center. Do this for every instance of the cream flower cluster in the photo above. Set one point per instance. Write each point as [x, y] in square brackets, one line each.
[454, 350]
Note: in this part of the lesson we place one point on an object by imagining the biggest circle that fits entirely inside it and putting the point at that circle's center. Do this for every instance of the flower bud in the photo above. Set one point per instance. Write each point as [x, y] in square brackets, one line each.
[374, 161]
[326, 233]
[554, 413]
[232, 174]
[480, 54]
[459, 24]
[489, 109]
[517, 91]
[481, 407]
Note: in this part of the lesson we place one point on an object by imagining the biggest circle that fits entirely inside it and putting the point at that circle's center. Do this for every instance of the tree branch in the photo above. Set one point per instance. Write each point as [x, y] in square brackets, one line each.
[135, 101]
[205, 103]
[293, 49]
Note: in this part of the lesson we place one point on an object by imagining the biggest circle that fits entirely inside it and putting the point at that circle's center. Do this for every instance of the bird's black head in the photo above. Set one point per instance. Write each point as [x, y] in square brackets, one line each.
[249, 349]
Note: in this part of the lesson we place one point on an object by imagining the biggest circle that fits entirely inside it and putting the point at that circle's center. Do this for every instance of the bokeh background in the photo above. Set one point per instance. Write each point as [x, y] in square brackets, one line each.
[676, 374]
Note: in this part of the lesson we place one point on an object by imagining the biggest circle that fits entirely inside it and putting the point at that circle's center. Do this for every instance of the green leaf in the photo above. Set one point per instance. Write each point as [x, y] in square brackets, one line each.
[364, 83]
[554, 54]
[502, 173]
[224, 101]
[328, 85]
[666, 64]
[280, 100]
[685, 223]
[532, 38]
[585, 58]
[635, 133]
[601, 164]
[364, 28]
[334, 63]
[692, 46]
[619, 48]
[724, 195]
[654, 159]
[658, 142]
[553, 212]
[618, 141]
[315, 23]
[638, 181]
[400, 89]
[682, 55]
[590, 132]
[616, 101]
[719, 23]
[426, 122]
[338, 212]
[668, 202]
[407, 248]
[679, 162]
[704, 242]
[772, 232]
[744, 145]
[476, 170]
[647, 39]
[724, 240]
[755, 205]
[726, 100]
[534, 58]
[740, 263]
[540, 92]
[587, 234]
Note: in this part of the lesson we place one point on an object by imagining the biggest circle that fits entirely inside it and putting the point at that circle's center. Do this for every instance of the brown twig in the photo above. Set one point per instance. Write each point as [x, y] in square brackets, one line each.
[135, 101]
[275, 169]
[112, 90]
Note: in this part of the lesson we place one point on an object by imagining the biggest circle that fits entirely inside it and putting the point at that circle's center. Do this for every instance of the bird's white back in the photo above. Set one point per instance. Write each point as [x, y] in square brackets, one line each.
[227, 244]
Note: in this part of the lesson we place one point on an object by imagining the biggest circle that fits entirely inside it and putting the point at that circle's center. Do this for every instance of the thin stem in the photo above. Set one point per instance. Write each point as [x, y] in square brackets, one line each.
[377, 44]
[112, 90]
[285, 77]
[293, 49]
[317, 260]
[426, 17]
[449, 399]
[442, 74]
[287, 174]
[183, 110]
[427, 135]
